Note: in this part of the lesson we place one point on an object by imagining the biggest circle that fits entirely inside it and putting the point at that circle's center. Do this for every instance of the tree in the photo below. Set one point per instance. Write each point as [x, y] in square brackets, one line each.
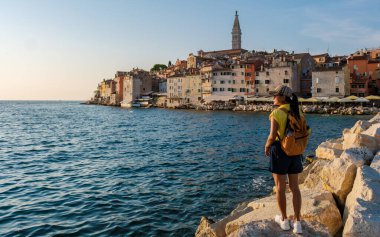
[158, 67]
[170, 63]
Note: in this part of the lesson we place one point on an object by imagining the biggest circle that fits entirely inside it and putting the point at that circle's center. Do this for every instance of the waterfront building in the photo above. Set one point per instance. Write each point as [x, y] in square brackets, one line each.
[193, 87]
[175, 90]
[321, 59]
[162, 85]
[364, 77]
[136, 84]
[281, 71]
[305, 65]
[206, 77]
[330, 81]
[119, 80]
[231, 80]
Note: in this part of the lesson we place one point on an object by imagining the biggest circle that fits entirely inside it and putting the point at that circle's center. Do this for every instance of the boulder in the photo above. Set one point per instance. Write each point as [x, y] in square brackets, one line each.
[360, 126]
[373, 131]
[317, 206]
[360, 140]
[313, 178]
[358, 155]
[376, 162]
[329, 149]
[271, 228]
[362, 209]
[375, 119]
[338, 178]
[204, 229]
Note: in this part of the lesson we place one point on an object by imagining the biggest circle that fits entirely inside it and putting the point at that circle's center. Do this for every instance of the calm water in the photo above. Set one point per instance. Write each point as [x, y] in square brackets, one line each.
[70, 169]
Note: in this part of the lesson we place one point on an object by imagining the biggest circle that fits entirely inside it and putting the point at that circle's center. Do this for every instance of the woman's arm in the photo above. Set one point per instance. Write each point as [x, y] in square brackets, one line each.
[272, 135]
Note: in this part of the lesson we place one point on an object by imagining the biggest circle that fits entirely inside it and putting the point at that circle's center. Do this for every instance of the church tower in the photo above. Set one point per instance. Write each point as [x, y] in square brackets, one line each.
[236, 33]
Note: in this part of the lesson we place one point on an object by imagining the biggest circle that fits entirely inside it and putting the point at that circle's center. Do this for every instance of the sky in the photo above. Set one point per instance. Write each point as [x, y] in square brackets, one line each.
[61, 49]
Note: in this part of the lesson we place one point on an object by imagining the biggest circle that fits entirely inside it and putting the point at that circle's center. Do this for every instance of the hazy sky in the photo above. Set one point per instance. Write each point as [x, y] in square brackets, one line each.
[52, 49]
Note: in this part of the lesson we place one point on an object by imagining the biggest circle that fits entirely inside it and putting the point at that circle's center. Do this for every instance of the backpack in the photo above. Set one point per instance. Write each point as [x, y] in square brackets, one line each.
[296, 135]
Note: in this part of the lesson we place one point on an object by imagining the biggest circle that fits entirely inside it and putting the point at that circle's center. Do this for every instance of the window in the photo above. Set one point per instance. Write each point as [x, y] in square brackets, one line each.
[354, 86]
[233, 81]
[286, 80]
[233, 89]
[221, 82]
[214, 89]
[257, 73]
[242, 81]
[229, 89]
[248, 74]
[229, 81]
[361, 94]
[267, 73]
[242, 73]
[286, 72]
[242, 89]
[361, 86]
[232, 67]
[257, 82]
[221, 89]
[233, 74]
[248, 66]
[257, 90]
[319, 90]
[337, 90]
[336, 72]
[267, 89]
[214, 82]
[266, 81]
[241, 66]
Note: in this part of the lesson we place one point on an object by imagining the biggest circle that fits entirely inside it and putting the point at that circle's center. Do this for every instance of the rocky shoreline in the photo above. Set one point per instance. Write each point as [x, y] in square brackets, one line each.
[340, 191]
[309, 109]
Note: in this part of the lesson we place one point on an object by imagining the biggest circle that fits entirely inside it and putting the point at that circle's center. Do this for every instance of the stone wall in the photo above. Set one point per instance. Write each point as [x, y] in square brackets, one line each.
[340, 193]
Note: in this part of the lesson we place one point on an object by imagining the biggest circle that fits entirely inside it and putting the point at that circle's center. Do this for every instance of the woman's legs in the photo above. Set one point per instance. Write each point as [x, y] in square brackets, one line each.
[280, 181]
[297, 201]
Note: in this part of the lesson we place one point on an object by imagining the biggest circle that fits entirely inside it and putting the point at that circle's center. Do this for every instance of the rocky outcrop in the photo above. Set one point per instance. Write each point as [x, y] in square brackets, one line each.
[340, 192]
[316, 207]
[329, 149]
[269, 228]
[362, 209]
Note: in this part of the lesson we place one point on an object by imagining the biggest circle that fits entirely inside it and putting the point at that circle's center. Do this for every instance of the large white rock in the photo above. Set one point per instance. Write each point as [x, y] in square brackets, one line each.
[313, 178]
[362, 209]
[329, 149]
[360, 140]
[375, 119]
[271, 228]
[338, 178]
[376, 162]
[373, 131]
[358, 155]
[360, 126]
[317, 206]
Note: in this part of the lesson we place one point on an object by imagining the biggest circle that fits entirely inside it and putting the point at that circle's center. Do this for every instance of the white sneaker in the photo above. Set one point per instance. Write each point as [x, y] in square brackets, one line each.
[297, 229]
[284, 224]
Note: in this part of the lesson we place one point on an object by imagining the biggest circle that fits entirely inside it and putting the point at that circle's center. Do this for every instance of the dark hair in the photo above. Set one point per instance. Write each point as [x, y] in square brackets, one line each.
[294, 107]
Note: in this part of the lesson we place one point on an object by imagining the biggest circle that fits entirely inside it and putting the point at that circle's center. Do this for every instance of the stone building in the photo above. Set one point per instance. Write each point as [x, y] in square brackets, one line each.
[330, 82]
[119, 81]
[193, 87]
[176, 90]
[281, 72]
[136, 84]
[305, 64]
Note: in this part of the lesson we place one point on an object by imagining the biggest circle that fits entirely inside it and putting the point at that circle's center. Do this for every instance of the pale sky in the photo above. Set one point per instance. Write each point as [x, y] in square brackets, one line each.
[61, 50]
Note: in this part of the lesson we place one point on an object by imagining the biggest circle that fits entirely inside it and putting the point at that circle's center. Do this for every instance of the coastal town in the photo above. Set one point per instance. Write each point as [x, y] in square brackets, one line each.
[241, 79]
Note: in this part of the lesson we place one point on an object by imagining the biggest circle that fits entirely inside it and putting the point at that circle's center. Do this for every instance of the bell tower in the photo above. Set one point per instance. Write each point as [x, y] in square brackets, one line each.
[236, 33]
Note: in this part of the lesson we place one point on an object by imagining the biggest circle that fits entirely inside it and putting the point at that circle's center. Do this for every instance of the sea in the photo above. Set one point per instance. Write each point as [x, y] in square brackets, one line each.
[68, 169]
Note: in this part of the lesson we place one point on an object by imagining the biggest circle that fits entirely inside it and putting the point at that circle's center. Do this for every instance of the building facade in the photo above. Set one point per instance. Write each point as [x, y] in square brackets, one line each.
[330, 82]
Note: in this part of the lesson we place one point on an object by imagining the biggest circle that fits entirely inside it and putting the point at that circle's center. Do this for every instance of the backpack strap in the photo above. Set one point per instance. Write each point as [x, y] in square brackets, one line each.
[287, 122]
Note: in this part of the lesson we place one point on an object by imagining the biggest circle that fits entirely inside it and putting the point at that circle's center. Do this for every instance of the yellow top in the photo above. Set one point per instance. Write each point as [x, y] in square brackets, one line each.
[280, 117]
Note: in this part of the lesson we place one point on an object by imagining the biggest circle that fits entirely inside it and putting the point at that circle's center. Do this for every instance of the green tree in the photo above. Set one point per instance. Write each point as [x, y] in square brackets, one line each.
[158, 67]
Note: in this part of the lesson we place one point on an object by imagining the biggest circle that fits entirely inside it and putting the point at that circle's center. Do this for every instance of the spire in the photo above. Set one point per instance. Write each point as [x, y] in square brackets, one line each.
[236, 33]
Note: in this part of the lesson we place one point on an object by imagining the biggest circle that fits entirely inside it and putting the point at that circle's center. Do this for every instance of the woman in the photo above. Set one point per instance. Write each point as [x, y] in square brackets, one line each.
[282, 165]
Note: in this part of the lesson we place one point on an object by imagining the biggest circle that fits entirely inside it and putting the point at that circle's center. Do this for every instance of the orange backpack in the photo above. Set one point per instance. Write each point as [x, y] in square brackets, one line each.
[296, 135]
